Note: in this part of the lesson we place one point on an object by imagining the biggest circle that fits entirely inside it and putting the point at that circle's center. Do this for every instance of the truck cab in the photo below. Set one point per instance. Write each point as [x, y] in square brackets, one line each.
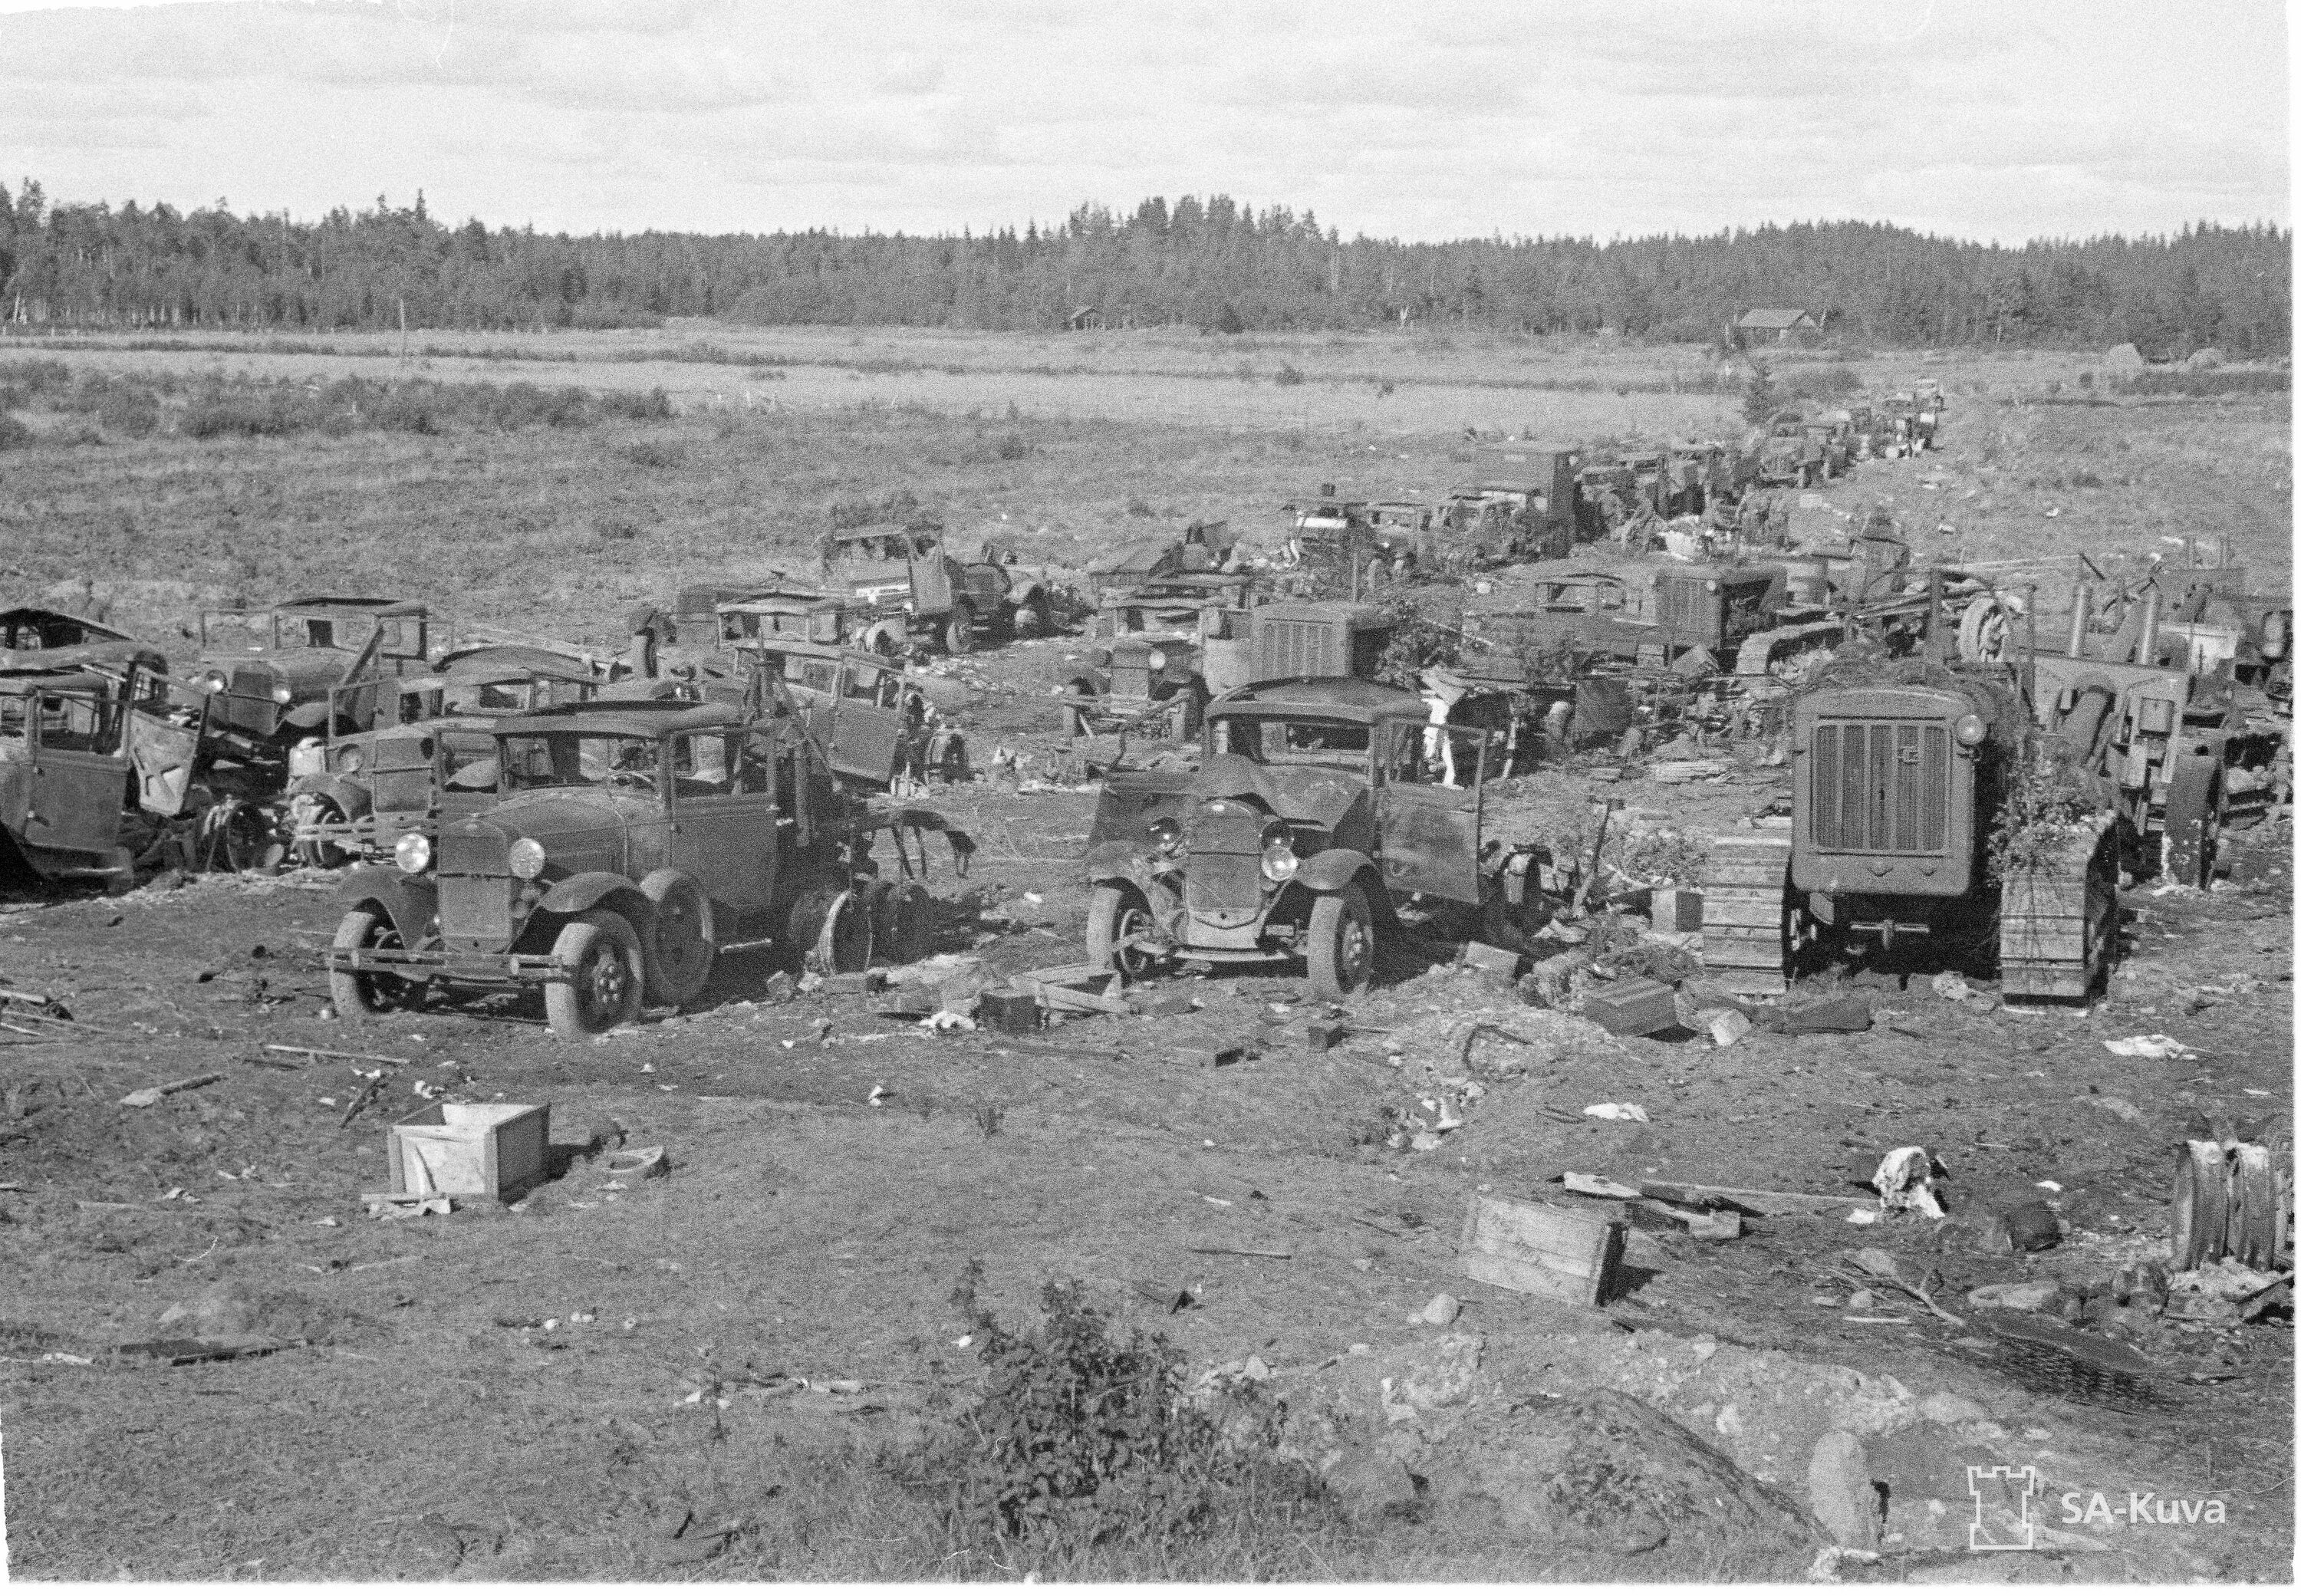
[270, 674]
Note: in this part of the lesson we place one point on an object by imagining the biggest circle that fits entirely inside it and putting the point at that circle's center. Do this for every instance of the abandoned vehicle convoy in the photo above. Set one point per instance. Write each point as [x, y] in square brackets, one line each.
[626, 846]
[52, 640]
[1326, 816]
[1786, 457]
[270, 674]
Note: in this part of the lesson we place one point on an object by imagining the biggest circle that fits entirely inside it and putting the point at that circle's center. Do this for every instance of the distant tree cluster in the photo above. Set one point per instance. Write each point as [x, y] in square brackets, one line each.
[1209, 264]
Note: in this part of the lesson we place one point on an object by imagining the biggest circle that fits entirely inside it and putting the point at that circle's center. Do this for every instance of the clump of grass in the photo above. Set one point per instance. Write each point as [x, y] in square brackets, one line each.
[1288, 377]
[614, 528]
[1014, 446]
[13, 433]
[1140, 506]
[2046, 795]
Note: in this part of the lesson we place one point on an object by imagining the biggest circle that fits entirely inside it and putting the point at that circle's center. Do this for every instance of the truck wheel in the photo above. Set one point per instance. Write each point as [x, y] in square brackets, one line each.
[606, 974]
[318, 853]
[958, 632]
[250, 841]
[1116, 915]
[2193, 821]
[359, 997]
[679, 965]
[903, 925]
[1341, 945]
[831, 928]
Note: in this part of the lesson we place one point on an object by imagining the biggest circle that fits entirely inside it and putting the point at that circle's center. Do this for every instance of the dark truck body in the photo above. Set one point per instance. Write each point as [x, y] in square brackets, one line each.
[82, 748]
[628, 845]
[279, 684]
[1324, 815]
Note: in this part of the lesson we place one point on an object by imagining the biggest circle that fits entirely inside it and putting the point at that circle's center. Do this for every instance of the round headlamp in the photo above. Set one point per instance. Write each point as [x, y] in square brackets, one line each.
[1971, 729]
[1157, 660]
[526, 858]
[413, 853]
[214, 681]
[283, 694]
[1710, 587]
[1279, 862]
[1165, 835]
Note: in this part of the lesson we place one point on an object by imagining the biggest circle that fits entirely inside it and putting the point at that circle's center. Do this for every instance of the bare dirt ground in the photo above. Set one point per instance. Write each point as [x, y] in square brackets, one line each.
[526, 1394]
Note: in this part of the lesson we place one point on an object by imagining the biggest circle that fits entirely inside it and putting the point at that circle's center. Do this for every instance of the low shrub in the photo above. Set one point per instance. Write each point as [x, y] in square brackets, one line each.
[1288, 377]
[1083, 1437]
[1014, 446]
[653, 405]
[655, 455]
[13, 433]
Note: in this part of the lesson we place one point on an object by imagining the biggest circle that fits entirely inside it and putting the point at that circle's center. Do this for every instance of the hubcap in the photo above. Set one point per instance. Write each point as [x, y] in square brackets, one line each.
[607, 982]
[1353, 949]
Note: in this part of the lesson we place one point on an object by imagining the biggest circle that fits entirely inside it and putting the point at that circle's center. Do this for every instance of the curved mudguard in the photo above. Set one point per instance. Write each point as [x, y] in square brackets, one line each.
[306, 717]
[354, 801]
[1335, 869]
[581, 893]
[1108, 863]
[412, 902]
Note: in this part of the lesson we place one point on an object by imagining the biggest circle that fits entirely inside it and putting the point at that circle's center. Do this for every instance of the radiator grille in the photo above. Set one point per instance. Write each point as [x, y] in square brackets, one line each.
[402, 791]
[1296, 649]
[1881, 787]
[1681, 606]
[474, 850]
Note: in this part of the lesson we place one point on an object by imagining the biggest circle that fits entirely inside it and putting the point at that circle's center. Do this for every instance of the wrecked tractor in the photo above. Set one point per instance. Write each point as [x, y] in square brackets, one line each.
[1329, 817]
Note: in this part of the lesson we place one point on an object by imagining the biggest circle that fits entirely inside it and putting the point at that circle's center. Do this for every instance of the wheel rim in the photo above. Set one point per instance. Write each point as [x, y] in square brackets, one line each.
[1352, 950]
[603, 985]
[1133, 921]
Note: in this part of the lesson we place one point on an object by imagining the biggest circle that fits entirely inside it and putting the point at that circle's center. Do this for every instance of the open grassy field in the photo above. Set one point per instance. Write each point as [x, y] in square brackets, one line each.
[545, 1394]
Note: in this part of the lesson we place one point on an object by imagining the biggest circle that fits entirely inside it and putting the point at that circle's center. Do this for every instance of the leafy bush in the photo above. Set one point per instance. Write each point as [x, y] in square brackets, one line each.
[13, 433]
[614, 528]
[1288, 377]
[35, 376]
[1083, 1437]
[653, 405]
[656, 456]
[899, 507]
[1013, 447]
[2046, 794]
[1140, 506]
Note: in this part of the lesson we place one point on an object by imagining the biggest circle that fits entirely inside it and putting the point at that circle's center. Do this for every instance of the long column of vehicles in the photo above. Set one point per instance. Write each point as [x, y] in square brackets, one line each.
[338, 728]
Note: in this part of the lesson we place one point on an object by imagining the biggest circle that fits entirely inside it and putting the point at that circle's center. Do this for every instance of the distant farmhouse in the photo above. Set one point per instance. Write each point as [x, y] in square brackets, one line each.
[1781, 325]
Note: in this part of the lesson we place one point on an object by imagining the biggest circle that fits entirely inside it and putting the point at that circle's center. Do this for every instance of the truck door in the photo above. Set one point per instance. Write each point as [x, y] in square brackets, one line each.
[162, 751]
[1429, 828]
[866, 736]
[80, 770]
[723, 821]
[931, 591]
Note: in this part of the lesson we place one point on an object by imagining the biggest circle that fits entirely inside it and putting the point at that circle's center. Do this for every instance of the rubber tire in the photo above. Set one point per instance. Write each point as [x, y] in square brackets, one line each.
[2193, 814]
[323, 856]
[363, 996]
[958, 632]
[902, 923]
[851, 943]
[678, 968]
[595, 1002]
[1335, 974]
[1114, 914]
[249, 842]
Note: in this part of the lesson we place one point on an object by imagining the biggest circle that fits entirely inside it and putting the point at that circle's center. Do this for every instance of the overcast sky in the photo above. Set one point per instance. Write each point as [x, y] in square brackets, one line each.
[1990, 119]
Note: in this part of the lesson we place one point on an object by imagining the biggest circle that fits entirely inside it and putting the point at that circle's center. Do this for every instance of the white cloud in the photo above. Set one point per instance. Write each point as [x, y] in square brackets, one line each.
[1992, 118]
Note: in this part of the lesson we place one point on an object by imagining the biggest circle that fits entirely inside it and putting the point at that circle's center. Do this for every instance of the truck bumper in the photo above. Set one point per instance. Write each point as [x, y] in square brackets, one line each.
[440, 963]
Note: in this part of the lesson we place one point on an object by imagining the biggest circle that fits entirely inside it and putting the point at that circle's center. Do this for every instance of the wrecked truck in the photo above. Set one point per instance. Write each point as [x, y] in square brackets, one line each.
[1329, 817]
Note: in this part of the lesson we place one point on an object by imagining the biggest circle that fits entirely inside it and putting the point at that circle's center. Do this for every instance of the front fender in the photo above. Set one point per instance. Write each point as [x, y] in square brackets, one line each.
[1333, 870]
[411, 902]
[352, 801]
[306, 717]
[1108, 863]
[587, 890]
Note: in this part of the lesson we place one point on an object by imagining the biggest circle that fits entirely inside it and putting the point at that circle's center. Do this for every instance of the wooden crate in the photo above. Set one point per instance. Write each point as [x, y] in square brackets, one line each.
[1631, 1007]
[496, 1150]
[1742, 911]
[1544, 1251]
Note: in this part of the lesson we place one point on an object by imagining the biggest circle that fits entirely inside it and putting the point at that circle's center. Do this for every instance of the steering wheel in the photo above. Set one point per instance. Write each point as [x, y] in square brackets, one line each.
[638, 781]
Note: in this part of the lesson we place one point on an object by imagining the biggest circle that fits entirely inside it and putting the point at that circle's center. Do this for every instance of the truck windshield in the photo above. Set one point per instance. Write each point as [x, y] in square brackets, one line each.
[1335, 743]
[569, 759]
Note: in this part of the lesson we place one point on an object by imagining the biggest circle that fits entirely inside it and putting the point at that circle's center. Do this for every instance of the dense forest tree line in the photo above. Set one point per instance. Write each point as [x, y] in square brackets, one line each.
[1210, 263]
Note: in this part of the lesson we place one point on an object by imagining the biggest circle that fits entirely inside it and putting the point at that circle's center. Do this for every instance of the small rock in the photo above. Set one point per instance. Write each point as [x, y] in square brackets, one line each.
[782, 987]
[1440, 1309]
[1861, 1301]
